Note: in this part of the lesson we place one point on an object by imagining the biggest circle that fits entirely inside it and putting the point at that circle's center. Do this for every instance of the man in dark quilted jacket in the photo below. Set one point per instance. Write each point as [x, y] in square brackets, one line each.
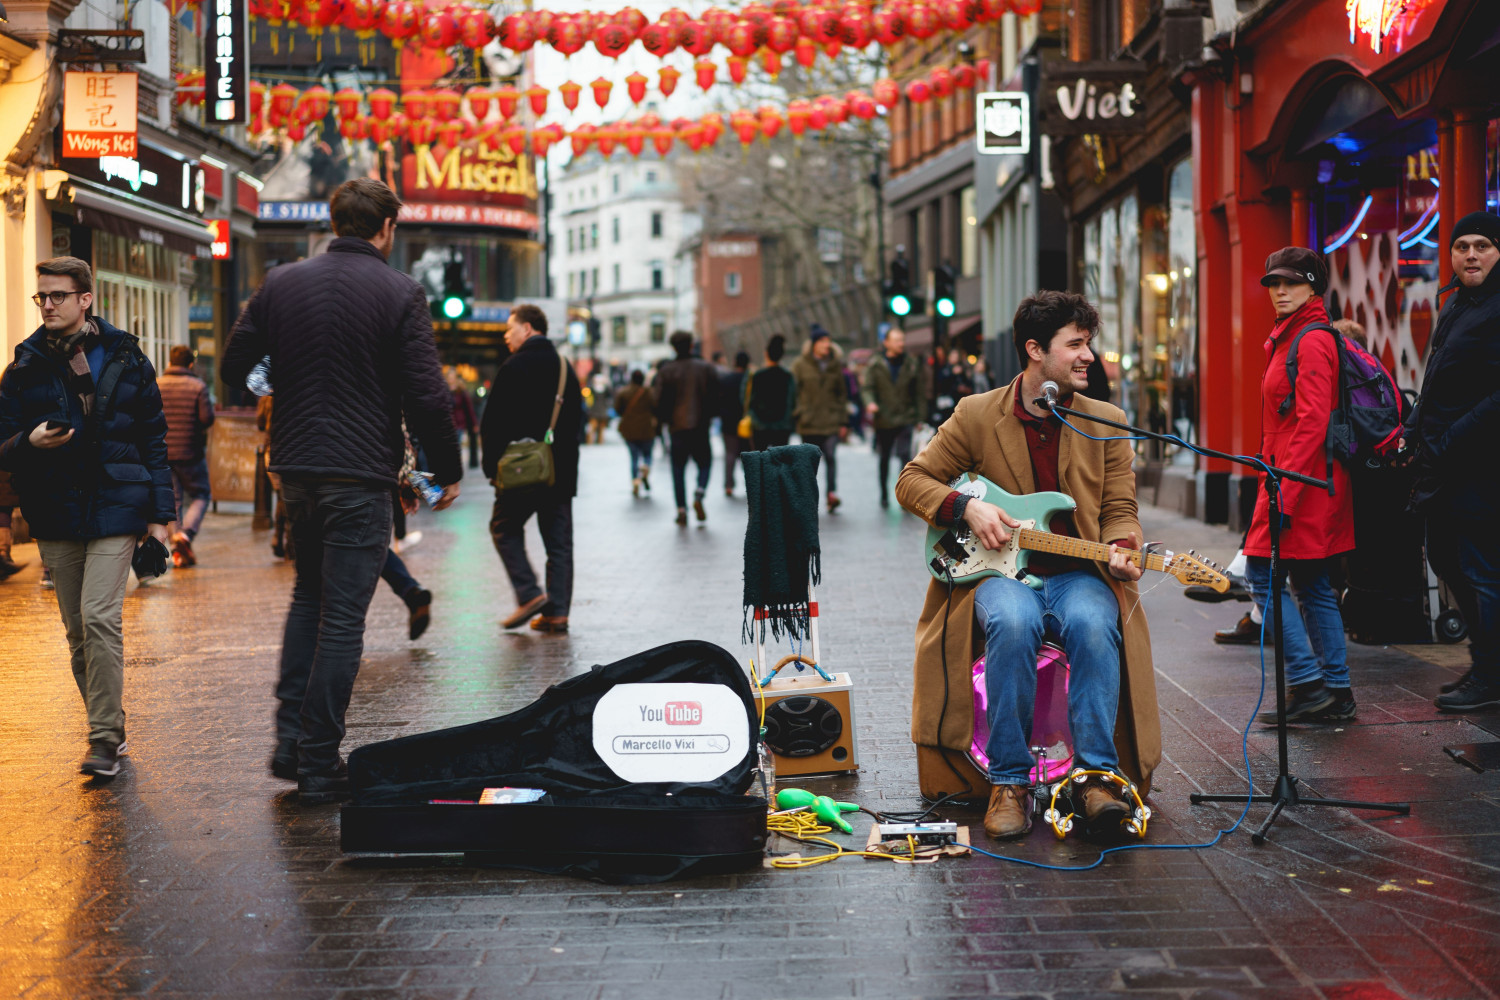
[351, 352]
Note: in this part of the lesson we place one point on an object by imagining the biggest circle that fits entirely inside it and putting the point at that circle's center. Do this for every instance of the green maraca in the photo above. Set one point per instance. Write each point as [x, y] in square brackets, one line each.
[820, 806]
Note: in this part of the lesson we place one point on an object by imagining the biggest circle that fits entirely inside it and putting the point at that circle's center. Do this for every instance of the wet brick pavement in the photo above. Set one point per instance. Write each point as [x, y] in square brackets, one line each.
[196, 874]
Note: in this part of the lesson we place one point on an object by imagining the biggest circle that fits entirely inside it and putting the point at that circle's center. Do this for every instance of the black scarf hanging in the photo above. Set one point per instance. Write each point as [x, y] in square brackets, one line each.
[782, 556]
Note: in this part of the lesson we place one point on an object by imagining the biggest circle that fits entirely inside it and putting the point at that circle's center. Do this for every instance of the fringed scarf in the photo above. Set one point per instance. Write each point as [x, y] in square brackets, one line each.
[72, 351]
[781, 541]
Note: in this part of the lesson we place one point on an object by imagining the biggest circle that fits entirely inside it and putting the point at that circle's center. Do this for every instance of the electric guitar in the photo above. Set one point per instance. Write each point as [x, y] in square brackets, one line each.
[956, 554]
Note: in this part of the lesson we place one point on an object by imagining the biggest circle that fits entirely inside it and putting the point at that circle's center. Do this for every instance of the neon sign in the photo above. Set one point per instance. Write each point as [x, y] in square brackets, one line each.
[1378, 18]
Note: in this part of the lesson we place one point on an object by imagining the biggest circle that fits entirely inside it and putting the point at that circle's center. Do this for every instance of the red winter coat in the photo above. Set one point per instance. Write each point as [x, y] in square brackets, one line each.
[1322, 525]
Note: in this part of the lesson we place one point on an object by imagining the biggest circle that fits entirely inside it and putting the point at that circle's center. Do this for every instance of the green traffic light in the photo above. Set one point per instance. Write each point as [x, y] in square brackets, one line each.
[453, 307]
[900, 305]
[945, 308]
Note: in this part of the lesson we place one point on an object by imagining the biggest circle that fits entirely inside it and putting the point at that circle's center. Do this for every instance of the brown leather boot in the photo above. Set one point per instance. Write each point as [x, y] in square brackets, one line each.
[1009, 812]
[1104, 807]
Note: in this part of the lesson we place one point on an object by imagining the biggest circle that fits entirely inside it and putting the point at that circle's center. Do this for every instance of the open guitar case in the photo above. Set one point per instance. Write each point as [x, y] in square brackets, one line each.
[419, 794]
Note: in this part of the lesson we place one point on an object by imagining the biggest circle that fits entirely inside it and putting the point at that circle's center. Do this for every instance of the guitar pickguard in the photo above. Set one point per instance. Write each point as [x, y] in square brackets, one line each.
[978, 562]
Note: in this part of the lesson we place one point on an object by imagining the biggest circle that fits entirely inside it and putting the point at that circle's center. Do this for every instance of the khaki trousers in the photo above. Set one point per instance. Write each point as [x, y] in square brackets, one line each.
[90, 578]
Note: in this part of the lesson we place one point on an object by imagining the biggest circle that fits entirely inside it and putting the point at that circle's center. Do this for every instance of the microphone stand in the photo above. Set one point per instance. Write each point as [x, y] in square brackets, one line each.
[1284, 793]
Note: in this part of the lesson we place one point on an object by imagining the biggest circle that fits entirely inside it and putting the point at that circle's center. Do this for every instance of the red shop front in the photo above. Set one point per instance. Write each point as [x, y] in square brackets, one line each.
[1361, 128]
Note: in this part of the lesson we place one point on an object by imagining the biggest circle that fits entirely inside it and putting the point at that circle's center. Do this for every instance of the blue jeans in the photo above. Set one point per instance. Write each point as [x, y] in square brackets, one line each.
[1463, 549]
[1313, 639]
[1080, 610]
[397, 576]
[640, 457]
[190, 483]
[693, 444]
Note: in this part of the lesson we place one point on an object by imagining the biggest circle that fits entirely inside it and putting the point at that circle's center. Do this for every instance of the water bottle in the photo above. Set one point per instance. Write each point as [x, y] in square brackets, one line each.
[259, 379]
[767, 766]
[425, 487]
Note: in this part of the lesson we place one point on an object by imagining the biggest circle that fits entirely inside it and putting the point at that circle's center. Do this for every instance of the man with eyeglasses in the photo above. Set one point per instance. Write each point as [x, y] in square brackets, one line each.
[1452, 434]
[82, 434]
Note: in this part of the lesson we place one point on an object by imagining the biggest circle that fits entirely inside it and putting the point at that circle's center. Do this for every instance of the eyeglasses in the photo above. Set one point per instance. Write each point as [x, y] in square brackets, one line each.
[58, 298]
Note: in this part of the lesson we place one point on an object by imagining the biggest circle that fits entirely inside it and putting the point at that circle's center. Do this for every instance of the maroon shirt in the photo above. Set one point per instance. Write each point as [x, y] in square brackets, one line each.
[1043, 438]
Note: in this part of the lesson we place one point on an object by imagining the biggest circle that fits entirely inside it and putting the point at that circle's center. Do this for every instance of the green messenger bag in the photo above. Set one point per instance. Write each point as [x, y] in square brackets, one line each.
[528, 464]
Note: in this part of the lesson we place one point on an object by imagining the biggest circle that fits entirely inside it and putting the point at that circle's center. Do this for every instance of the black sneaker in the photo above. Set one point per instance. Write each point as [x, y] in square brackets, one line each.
[1456, 684]
[1208, 595]
[284, 760]
[1244, 633]
[419, 602]
[1304, 703]
[102, 760]
[1470, 696]
[327, 786]
[1343, 706]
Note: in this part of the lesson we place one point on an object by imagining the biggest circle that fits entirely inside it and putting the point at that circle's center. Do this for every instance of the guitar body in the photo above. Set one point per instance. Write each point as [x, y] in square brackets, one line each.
[957, 554]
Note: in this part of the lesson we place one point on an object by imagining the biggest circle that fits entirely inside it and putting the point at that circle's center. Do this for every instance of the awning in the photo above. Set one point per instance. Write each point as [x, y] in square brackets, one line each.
[139, 224]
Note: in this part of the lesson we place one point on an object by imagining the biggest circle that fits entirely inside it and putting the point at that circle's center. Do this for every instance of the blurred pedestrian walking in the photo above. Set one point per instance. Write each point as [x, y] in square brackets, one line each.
[351, 353]
[1452, 434]
[822, 403]
[82, 434]
[8, 501]
[731, 398]
[189, 414]
[895, 401]
[600, 405]
[636, 403]
[685, 391]
[770, 398]
[524, 404]
[463, 413]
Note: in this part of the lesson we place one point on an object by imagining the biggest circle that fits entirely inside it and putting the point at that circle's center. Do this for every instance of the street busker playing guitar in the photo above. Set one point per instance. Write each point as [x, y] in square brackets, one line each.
[1090, 608]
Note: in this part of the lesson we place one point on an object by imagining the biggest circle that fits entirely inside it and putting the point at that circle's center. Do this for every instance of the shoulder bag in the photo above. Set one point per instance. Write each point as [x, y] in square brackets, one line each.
[746, 428]
[527, 463]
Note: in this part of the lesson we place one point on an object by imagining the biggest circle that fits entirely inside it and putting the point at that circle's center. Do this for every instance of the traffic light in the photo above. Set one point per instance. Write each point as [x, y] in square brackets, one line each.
[900, 301]
[943, 301]
[457, 299]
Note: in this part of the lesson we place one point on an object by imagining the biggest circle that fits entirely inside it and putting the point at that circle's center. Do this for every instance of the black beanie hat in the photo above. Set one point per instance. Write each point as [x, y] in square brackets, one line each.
[1484, 224]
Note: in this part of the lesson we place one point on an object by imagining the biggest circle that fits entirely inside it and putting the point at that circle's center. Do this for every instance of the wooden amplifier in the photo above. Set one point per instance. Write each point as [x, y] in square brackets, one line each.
[810, 724]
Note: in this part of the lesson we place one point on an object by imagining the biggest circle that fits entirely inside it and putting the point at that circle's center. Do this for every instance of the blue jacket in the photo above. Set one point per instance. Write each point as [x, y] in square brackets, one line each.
[111, 478]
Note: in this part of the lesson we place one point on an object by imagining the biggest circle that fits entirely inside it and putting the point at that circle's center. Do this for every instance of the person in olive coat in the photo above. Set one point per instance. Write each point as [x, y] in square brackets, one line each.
[895, 401]
[822, 410]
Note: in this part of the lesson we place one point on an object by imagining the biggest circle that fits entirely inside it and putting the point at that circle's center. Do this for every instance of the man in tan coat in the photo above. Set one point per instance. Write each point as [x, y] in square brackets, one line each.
[1092, 608]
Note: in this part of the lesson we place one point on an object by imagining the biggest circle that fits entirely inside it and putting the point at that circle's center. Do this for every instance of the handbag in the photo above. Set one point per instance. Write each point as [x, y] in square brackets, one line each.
[746, 429]
[527, 463]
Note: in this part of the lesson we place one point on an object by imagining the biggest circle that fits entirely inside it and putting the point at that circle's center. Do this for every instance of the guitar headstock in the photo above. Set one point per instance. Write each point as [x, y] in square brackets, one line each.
[1192, 569]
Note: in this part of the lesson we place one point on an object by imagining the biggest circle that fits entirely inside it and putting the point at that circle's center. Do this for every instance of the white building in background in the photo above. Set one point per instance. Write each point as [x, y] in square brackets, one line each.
[616, 226]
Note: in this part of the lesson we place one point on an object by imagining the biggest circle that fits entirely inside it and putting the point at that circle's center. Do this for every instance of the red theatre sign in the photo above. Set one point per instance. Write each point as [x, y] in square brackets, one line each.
[99, 114]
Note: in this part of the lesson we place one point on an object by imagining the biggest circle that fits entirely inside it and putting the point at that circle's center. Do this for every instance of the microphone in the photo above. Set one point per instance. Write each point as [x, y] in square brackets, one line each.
[1050, 390]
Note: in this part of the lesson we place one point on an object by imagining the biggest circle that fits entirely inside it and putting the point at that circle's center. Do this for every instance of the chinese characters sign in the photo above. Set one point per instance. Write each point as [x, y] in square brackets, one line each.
[99, 114]
[226, 45]
[218, 232]
[1004, 119]
[1378, 19]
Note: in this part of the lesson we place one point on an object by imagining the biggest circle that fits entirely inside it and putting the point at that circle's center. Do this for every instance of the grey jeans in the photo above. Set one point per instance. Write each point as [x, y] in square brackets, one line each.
[90, 578]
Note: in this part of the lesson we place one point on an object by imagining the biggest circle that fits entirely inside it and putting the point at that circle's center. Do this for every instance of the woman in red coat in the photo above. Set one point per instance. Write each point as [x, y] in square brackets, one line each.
[1316, 525]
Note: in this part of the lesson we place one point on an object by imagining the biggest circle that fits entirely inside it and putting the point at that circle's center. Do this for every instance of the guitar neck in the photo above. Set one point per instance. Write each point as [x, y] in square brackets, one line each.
[1078, 548]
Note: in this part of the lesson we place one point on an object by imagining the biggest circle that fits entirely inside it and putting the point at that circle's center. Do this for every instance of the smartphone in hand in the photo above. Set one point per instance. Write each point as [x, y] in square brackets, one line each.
[57, 425]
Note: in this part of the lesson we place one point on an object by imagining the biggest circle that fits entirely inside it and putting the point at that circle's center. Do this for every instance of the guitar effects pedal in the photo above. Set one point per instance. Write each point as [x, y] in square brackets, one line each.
[810, 725]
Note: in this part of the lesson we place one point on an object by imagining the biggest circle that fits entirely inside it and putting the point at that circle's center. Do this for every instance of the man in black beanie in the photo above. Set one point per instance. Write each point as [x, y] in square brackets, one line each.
[1454, 430]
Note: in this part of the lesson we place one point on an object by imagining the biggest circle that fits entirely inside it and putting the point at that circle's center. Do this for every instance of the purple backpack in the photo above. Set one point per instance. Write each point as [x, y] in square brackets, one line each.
[1365, 426]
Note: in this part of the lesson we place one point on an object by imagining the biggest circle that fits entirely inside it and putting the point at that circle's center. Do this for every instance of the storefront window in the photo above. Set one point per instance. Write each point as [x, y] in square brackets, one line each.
[1167, 358]
[136, 288]
[1112, 262]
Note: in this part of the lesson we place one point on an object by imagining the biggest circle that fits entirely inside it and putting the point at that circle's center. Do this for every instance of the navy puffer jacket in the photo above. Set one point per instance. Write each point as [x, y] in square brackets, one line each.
[112, 477]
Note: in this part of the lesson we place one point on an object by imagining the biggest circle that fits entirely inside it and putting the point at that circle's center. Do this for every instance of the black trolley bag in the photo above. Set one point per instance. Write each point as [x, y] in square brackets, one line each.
[684, 710]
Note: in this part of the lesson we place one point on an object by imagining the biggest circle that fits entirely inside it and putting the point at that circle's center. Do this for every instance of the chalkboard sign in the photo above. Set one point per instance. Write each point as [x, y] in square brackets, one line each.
[232, 441]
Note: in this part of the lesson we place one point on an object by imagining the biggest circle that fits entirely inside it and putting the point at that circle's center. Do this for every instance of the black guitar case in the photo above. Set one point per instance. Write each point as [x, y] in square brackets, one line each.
[688, 709]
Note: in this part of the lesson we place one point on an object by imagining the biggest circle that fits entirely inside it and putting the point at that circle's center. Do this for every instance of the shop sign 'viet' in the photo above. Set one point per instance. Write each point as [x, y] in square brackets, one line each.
[99, 114]
[1093, 98]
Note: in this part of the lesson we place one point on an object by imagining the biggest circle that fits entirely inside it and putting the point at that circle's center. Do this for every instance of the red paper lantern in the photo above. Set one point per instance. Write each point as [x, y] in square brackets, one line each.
[297, 131]
[478, 99]
[635, 87]
[861, 105]
[284, 100]
[662, 139]
[958, 15]
[838, 110]
[747, 127]
[257, 97]
[418, 104]
[919, 92]
[797, 113]
[631, 20]
[515, 138]
[379, 131]
[696, 37]
[922, 22]
[981, 72]
[667, 80]
[605, 139]
[963, 76]
[400, 22]
[612, 39]
[601, 88]
[635, 140]
[719, 22]
[674, 18]
[890, 27]
[565, 34]
[771, 63]
[587, 21]
[781, 35]
[659, 39]
[713, 127]
[855, 28]
[347, 102]
[516, 34]
[737, 65]
[316, 16]
[446, 104]
[887, 93]
[704, 71]
[541, 141]
[537, 95]
[941, 81]
[506, 99]
[315, 100]
[820, 24]
[398, 124]
[361, 17]
[833, 48]
[541, 23]
[352, 129]
[817, 116]
[806, 52]
[421, 131]
[741, 39]
[580, 143]
[439, 29]
[692, 135]
[476, 29]
[449, 133]
[1025, 8]
[994, 9]
[569, 91]
[382, 104]
[649, 120]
